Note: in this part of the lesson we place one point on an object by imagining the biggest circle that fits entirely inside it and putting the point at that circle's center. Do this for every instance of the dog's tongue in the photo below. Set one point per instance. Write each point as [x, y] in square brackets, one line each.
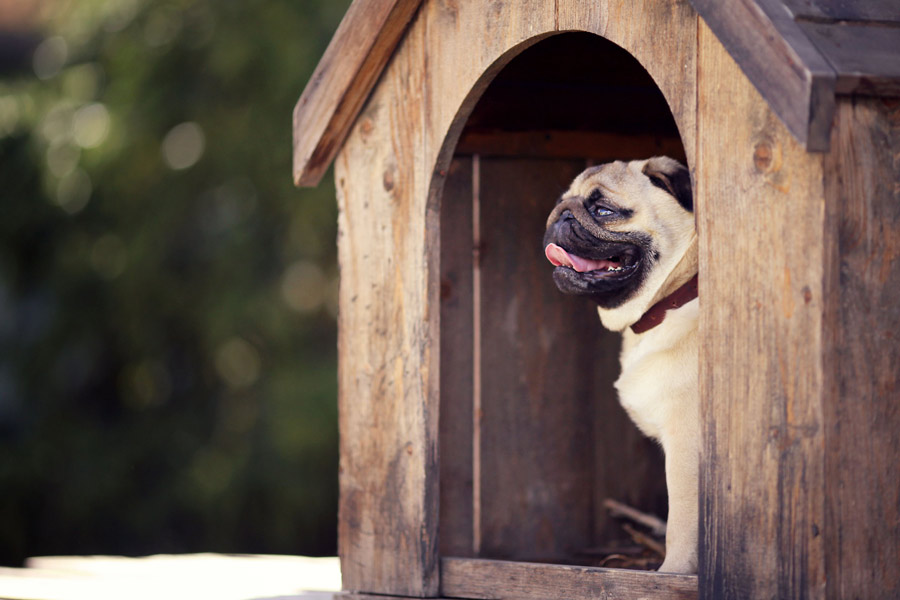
[561, 258]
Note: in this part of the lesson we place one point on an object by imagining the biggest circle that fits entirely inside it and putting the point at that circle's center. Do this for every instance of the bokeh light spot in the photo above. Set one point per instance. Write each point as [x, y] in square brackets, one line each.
[238, 363]
[304, 287]
[74, 191]
[50, 57]
[90, 125]
[62, 158]
[9, 115]
[183, 145]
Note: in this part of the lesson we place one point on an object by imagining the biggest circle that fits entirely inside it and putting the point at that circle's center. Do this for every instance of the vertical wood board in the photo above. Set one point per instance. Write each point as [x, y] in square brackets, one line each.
[388, 367]
[456, 525]
[537, 352]
[761, 221]
[862, 408]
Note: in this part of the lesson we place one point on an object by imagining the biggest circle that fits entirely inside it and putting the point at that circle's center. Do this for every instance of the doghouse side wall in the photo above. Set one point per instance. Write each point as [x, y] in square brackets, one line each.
[800, 484]
[862, 405]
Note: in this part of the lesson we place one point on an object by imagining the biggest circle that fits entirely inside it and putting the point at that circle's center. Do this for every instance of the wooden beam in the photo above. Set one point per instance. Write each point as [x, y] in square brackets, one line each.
[595, 145]
[506, 580]
[352, 63]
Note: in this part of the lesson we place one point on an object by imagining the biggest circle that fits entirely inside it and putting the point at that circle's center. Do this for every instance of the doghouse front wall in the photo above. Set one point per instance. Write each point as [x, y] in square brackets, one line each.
[795, 482]
[389, 181]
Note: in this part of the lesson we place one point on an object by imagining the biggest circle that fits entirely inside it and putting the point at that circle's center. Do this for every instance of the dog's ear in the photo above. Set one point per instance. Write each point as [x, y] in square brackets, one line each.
[672, 176]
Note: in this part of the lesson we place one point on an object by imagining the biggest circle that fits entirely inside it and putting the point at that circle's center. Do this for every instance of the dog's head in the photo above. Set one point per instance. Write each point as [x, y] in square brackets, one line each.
[623, 234]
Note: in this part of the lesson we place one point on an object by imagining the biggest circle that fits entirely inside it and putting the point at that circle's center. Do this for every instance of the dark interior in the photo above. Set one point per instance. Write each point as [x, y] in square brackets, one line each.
[532, 436]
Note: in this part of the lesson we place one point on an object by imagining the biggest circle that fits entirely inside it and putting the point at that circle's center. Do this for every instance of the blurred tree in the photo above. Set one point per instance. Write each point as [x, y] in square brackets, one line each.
[167, 298]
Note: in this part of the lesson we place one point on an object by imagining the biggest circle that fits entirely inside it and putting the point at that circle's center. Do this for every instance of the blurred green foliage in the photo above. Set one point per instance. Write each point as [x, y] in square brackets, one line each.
[167, 297]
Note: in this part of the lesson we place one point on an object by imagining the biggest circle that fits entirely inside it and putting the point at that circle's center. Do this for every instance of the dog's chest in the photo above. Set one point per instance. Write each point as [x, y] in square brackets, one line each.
[659, 371]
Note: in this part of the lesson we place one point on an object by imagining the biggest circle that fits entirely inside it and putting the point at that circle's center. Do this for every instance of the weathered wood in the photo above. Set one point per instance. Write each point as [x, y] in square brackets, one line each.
[502, 580]
[540, 361]
[391, 173]
[866, 57]
[597, 146]
[884, 11]
[668, 53]
[353, 61]
[388, 355]
[456, 525]
[783, 65]
[862, 407]
[761, 224]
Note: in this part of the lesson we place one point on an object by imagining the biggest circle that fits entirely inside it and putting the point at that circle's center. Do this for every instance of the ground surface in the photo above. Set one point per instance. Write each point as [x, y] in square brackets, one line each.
[173, 577]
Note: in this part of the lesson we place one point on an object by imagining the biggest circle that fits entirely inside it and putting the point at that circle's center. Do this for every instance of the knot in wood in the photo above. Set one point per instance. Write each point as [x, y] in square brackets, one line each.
[763, 155]
[388, 180]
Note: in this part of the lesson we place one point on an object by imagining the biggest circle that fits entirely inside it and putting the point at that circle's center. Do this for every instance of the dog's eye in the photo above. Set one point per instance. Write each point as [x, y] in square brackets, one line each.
[601, 211]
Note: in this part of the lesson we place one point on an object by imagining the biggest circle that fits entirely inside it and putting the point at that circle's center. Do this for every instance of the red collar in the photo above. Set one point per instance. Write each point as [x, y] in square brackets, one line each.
[657, 312]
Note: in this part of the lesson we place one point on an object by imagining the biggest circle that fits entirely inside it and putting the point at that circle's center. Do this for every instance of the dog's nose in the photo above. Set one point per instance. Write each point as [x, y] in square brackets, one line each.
[567, 216]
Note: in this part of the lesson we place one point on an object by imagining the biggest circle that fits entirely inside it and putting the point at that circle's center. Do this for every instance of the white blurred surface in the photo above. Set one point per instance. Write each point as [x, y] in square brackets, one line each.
[173, 577]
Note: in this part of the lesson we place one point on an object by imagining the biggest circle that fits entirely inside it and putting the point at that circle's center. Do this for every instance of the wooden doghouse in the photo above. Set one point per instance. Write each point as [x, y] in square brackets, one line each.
[479, 430]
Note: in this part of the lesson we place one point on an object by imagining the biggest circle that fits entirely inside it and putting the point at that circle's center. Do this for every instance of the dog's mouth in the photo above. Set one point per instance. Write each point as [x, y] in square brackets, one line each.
[618, 262]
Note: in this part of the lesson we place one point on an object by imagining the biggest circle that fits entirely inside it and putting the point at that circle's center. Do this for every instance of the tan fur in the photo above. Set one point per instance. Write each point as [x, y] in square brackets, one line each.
[658, 385]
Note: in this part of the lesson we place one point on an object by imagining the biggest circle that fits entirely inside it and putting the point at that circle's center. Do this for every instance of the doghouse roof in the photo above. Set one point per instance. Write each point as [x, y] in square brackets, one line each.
[799, 54]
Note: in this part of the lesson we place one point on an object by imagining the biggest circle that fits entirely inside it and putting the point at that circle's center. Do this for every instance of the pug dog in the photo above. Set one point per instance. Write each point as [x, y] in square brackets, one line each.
[623, 235]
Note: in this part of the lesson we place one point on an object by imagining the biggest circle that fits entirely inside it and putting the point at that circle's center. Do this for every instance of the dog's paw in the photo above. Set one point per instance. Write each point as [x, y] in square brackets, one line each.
[685, 565]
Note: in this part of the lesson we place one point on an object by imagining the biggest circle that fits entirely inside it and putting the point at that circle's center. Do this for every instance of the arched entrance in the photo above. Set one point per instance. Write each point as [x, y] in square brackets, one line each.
[532, 437]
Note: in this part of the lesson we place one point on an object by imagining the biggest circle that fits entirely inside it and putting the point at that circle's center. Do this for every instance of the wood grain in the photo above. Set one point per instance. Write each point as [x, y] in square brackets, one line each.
[885, 11]
[865, 57]
[391, 175]
[456, 430]
[542, 361]
[780, 61]
[862, 408]
[501, 580]
[387, 341]
[343, 79]
[761, 222]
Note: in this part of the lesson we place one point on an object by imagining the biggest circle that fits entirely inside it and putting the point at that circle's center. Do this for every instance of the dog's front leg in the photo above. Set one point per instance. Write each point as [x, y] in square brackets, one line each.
[681, 446]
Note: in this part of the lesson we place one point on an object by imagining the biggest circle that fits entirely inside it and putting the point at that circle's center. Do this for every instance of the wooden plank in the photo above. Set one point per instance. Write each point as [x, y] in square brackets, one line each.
[456, 525]
[780, 61]
[501, 580]
[598, 146]
[866, 57]
[862, 408]
[761, 224]
[540, 353]
[388, 244]
[343, 79]
[885, 11]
